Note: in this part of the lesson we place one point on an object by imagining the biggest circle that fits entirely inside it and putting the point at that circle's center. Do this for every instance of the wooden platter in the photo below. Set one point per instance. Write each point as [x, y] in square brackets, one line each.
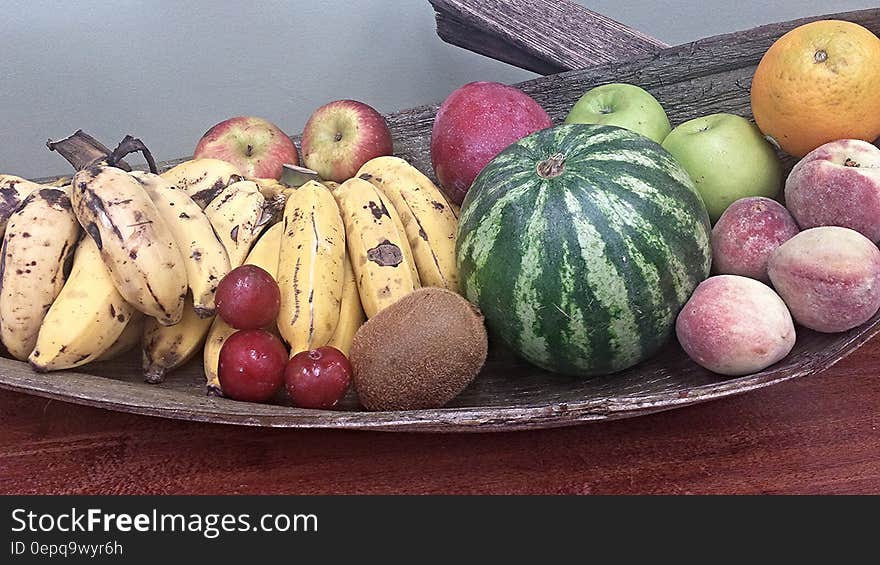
[707, 76]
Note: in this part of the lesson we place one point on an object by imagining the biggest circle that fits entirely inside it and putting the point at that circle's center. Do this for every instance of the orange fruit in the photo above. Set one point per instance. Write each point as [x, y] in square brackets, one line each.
[818, 83]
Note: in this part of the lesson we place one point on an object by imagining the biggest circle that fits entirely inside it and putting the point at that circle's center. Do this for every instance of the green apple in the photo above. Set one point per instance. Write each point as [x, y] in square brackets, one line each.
[622, 105]
[727, 158]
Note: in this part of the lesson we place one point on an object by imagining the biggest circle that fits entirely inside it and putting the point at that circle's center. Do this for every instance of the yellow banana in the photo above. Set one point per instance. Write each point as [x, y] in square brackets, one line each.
[265, 252]
[238, 215]
[40, 238]
[13, 191]
[429, 222]
[310, 267]
[203, 254]
[85, 319]
[217, 336]
[202, 179]
[351, 313]
[377, 246]
[130, 336]
[135, 242]
[168, 347]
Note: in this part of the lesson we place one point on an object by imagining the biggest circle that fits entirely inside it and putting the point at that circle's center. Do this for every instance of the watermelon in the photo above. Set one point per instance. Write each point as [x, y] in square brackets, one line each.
[580, 244]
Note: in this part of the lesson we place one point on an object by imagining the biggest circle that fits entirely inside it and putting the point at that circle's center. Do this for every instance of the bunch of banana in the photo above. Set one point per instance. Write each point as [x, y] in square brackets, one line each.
[238, 215]
[41, 236]
[311, 267]
[204, 256]
[202, 179]
[136, 244]
[264, 254]
[86, 318]
[380, 253]
[430, 223]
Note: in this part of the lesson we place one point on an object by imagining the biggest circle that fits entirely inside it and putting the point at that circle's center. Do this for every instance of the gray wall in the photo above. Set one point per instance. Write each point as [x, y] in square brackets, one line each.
[165, 71]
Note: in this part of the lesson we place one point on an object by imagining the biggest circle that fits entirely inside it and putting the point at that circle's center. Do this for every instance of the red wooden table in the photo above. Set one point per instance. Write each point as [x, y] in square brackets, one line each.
[817, 434]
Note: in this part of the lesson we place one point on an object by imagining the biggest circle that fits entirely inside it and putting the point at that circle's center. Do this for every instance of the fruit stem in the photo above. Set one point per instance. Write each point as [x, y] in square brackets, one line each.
[81, 150]
[129, 145]
[552, 166]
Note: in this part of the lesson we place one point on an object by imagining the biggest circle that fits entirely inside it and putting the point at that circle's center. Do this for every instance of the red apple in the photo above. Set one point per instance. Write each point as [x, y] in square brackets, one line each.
[341, 136]
[473, 125]
[256, 146]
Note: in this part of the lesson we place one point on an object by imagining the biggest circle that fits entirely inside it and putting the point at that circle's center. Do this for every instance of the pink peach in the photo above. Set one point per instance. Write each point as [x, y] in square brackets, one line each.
[829, 277]
[735, 325]
[747, 233]
[837, 184]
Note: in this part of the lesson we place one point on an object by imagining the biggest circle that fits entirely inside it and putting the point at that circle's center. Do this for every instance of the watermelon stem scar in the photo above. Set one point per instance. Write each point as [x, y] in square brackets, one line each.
[552, 166]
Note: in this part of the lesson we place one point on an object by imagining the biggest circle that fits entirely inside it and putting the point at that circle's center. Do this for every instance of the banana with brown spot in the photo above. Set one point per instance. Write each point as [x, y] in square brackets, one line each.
[311, 267]
[203, 254]
[40, 239]
[377, 245]
[136, 244]
[429, 221]
[131, 336]
[202, 179]
[238, 215]
[86, 318]
[13, 191]
[166, 348]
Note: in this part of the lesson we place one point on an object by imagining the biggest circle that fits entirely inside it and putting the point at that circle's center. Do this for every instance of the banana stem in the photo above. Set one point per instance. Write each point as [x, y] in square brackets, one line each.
[129, 145]
[81, 150]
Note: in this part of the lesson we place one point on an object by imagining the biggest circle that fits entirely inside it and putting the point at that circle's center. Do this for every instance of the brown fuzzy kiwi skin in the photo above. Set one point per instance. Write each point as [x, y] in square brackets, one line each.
[420, 352]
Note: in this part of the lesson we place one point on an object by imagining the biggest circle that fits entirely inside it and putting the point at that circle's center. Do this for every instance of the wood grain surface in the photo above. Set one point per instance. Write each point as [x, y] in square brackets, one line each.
[543, 36]
[819, 434]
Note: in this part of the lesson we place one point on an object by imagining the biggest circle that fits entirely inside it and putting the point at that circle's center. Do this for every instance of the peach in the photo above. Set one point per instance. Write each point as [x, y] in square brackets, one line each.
[837, 184]
[747, 233]
[735, 325]
[829, 277]
[473, 125]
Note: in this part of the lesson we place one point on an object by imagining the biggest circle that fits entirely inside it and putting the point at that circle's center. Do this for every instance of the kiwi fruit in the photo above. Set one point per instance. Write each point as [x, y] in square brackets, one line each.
[420, 352]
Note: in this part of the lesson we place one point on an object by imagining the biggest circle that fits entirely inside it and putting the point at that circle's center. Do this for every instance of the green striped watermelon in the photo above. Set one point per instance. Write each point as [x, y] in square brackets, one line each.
[580, 244]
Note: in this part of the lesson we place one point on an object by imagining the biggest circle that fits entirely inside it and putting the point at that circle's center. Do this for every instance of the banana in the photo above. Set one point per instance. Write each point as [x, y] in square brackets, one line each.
[202, 179]
[203, 254]
[85, 319]
[130, 336]
[238, 215]
[217, 336]
[265, 252]
[429, 222]
[168, 347]
[310, 267]
[275, 195]
[377, 246]
[13, 191]
[135, 242]
[40, 238]
[351, 313]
